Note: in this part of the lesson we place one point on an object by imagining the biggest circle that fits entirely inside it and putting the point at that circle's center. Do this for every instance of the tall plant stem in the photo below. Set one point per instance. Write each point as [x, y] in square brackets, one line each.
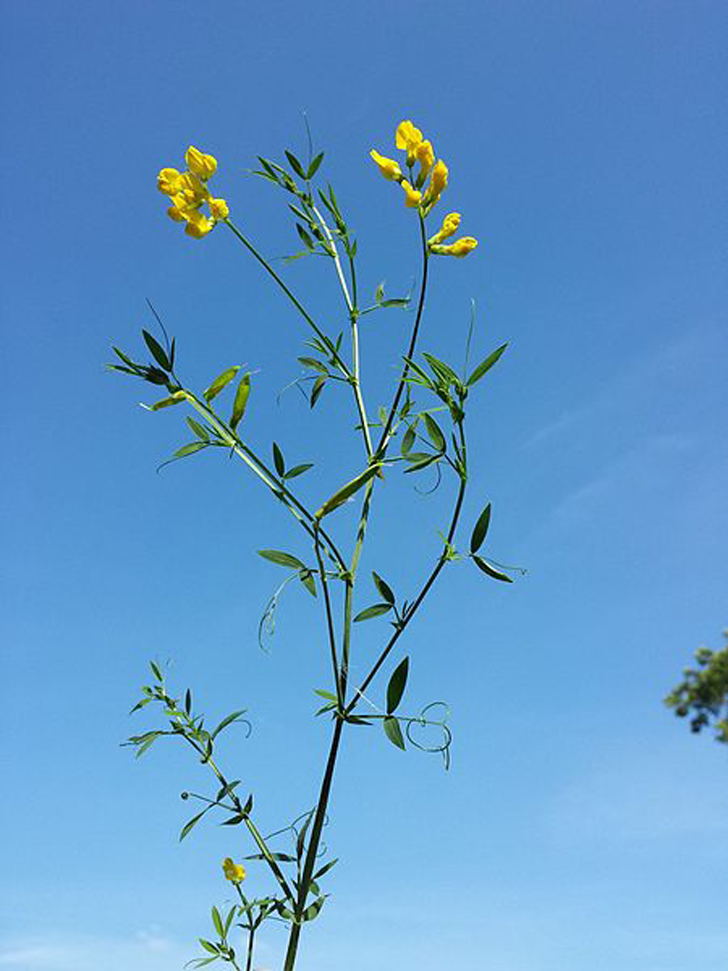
[313, 845]
[383, 441]
[442, 560]
[350, 301]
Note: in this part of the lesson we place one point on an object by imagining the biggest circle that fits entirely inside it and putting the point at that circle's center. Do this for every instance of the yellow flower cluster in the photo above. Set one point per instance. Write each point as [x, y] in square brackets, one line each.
[188, 192]
[234, 872]
[418, 195]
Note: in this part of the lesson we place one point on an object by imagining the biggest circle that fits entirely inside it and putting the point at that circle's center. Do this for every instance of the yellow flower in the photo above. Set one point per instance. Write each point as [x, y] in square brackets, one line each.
[408, 138]
[412, 196]
[234, 872]
[198, 225]
[426, 157]
[438, 183]
[167, 181]
[387, 166]
[174, 213]
[201, 165]
[460, 248]
[219, 209]
[449, 227]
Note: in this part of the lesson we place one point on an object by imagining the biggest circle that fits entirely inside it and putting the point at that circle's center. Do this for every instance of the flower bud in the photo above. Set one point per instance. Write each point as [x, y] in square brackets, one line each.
[460, 248]
[234, 872]
[426, 157]
[438, 183]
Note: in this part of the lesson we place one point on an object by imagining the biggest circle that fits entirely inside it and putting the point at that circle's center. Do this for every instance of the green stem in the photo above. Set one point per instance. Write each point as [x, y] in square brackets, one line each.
[383, 441]
[251, 939]
[329, 619]
[442, 560]
[313, 845]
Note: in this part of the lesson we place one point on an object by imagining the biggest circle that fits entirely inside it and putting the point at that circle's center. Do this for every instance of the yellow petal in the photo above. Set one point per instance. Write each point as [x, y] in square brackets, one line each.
[425, 155]
[197, 224]
[407, 137]
[174, 213]
[449, 227]
[167, 181]
[438, 183]
[387, 166]
[461, 247]
[412, 196]
[201, 165]
[219, 209]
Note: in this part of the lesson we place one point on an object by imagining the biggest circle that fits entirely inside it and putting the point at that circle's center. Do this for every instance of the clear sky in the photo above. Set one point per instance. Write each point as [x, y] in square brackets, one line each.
[581, 826]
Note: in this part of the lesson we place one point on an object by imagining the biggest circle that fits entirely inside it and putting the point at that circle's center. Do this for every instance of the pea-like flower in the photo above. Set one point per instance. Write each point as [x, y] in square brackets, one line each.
[426, 157]
[234, 872]
[412, 196]
[438, 183]
[188, 193]
[201, 165]
[387, 166]
[219, 209]
[408, 138]
[449, 227]
[460, 248]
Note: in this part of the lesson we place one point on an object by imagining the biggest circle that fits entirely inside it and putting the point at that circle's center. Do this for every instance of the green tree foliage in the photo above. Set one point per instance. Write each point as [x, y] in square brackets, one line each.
[703, 694]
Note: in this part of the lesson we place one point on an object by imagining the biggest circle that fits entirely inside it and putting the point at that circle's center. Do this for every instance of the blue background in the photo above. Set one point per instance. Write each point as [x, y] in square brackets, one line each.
[581, 826]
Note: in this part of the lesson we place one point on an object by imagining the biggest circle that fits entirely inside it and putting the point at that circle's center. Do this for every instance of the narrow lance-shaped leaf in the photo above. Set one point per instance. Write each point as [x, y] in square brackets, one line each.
[167, 402]
[485, 366]
[480, 530]
[282, 559]
[314, 166]
[393, 731]
[278, 460]
[491, 570]
[435, 432]
[384, 589]
[158, 352]
[396, 686]
[241, 401]
[376, 610]
[348, 490]
[221, 382]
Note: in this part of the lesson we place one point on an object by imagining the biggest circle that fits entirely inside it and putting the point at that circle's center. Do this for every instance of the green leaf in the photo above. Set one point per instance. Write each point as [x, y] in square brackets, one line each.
[198, 429]
[305, 237]
[278, 460]
[393, 731]
[158, 352]
[395, 302]
[314, 166]
[420, 460]
[298, 470]
[228, 720]
[318, 387]
[221, 382]
[156, 670]
[325, 694]
[441, 370]
[312, 362]
[485, 366]
[396, 686]
[385, 591]
[208, 946]
[325, 869]
[379, 293]
[295, 165]
[376, 610]
[312, 911]
[241, 400]
[282, 559]
[480, 530]
[217, 921]
[189, 449]
[435, 432]
[167, 402]
[308, 581]
[189, 825]
[491, 570]
[408, 440]
[347, 491]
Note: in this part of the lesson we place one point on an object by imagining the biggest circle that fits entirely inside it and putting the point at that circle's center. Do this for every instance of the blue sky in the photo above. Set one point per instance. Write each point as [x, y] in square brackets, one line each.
[581, 826]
